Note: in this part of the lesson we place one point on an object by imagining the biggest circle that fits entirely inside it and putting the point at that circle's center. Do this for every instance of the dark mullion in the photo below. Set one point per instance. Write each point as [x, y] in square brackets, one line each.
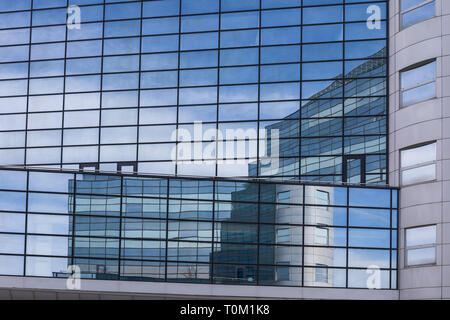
[258, 156]
[346, 241]
[178, 87]
[139, 89]
[28, 85]
[74, 213]
[100, 107]
[26, 224]
[119, 260]
[303, 234]
[390, 243]
[343, 155]
[64, 87]
[169, 16]
[166, 261]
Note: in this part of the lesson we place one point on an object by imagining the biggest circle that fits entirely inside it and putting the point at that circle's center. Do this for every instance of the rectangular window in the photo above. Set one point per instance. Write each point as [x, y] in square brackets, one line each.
[418, 164]
[414, 11]
[321, 236]
[418, 83]
[283, 199]
[322, 197]
[321, 274]
[283, 271]
[283, 235]
[420, 245]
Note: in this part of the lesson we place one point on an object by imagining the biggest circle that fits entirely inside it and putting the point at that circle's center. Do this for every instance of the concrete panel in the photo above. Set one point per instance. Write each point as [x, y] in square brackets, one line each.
[418, 113]
[430, 213]
[419, 133]
[417, 52]
[128, 289]
[420, 194]
[420, 294]
[420, 277]
[417, 33]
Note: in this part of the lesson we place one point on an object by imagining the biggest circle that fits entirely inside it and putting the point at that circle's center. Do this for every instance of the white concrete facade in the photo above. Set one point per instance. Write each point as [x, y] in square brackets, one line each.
[423, 203]
[50, 288]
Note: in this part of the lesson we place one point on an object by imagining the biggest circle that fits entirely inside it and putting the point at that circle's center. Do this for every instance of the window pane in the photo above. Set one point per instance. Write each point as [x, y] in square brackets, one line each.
[420, 236]
[421, 256]
[421, 174]
[418, 94]
[414, 156]
[418, 75]
[414, 16]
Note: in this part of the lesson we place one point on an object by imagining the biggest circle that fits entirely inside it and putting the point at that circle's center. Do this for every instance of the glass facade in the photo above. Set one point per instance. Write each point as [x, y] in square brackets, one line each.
[113, 89]
[218, 231]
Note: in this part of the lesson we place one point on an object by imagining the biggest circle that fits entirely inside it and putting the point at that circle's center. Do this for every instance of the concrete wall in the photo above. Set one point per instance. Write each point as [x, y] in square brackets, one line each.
[423, 203]
[50, 288]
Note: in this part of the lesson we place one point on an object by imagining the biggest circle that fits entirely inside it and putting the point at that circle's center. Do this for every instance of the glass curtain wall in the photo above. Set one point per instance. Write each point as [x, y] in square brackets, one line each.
[107, 82]
[196, 230]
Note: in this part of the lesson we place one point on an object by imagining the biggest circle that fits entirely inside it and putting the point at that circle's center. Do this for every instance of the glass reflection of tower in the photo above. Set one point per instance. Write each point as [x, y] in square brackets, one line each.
[332, 128]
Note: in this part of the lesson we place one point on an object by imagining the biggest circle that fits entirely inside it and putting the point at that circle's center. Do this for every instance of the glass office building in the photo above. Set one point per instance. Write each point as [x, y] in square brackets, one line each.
[126, 87]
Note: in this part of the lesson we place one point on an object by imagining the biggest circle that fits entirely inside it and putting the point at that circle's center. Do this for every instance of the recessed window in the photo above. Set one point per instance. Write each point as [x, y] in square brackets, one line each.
[421, 245]
[283, 235]
[418, 83]
[282, 271]
[322, 197]
[418, 164]
[321, 274]
[414, 11]
[321, 236]
[283, 199]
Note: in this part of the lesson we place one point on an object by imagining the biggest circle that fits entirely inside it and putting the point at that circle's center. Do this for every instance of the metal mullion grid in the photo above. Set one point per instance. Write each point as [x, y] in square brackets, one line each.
[343, 155]
[120, 229]
[166, 260]
[387, 106]
[28, 86]
[397, 227]
[26, 225]
[216, 143]
[301, 101]
[178, 96]
[258, 156]
[139, 87]
[193, 32]
[232, 11]
[101, 86]
[347, 234]
[303, 235]
[300, 148]
[390, 242]
[64, 87]
[74, 217]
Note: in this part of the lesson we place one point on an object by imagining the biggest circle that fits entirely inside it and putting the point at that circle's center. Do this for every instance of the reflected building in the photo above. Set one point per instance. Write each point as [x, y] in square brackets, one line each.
[341, 139]
[92, 172]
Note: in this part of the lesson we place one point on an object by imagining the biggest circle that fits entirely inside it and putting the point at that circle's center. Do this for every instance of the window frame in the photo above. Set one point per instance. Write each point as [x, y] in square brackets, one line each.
[421, 84]
[402, 12]
[418, 165]
[422, 246]
[322, 268]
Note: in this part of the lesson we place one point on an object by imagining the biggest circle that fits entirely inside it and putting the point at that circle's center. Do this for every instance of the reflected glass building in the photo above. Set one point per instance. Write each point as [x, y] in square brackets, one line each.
[112, 90]
[137, 228]
[199, 141]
